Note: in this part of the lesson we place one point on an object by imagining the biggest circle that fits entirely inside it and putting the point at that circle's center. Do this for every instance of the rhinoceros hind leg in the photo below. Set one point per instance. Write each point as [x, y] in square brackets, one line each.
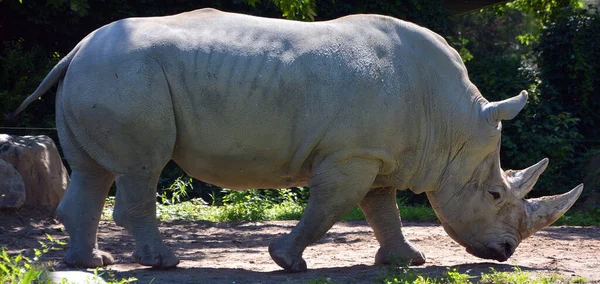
[381, 212]
[79, 211]
[135, 209]
[335, 187]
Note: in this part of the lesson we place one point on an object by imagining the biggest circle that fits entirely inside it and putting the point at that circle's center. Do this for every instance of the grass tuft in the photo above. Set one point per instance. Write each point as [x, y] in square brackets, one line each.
[284, 204]
[517, 276]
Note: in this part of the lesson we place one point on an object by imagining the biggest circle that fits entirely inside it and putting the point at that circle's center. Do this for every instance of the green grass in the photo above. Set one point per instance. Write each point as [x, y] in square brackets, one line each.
[284, 205]
[196, 209]
[19, 269]
[517, 276]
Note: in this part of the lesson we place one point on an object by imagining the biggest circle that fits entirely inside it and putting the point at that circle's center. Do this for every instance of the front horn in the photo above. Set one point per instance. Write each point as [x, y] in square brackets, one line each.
[543, 211]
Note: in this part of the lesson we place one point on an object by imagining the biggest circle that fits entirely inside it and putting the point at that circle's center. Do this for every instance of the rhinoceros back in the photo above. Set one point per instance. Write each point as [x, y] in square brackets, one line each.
[268, 95]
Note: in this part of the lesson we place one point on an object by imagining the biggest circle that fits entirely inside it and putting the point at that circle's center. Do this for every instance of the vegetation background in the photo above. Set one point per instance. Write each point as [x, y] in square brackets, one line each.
[549, 47]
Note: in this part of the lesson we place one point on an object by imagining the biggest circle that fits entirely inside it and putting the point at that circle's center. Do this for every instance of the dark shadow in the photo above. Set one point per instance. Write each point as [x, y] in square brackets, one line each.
[571, 233]
[351, 274]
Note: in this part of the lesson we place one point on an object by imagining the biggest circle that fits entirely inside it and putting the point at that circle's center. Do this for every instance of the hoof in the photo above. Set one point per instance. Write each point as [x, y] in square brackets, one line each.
[404, 256]
[160, 257]
[96, 258]
[285, 259]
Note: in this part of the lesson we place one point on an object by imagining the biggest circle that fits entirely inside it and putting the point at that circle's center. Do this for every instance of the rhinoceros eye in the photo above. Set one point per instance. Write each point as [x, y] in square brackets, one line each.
[495, 195]
[495, 192]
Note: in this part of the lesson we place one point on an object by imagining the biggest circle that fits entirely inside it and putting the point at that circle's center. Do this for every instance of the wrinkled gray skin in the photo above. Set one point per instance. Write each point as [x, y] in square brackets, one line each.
[356, 108]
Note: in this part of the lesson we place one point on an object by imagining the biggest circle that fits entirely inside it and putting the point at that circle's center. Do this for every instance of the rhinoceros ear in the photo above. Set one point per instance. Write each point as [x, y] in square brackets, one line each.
[506, 109]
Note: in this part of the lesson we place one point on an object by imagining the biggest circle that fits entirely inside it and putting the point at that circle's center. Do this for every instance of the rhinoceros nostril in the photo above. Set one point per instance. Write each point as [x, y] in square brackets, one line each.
[508, 249]
[500, 251]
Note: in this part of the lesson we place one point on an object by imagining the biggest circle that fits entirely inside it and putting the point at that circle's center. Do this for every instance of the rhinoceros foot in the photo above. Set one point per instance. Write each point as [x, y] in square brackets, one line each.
[97, 258]
[403, 255]
[158, 256]
[285, 257]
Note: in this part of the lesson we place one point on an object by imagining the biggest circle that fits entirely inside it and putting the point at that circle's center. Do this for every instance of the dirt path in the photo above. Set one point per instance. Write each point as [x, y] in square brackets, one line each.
[237, 252]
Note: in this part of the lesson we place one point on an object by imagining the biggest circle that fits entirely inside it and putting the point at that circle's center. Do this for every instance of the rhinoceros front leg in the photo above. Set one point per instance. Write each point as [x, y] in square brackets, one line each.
[135, 209]
[79, 211]
[335, 187]
[381, 212]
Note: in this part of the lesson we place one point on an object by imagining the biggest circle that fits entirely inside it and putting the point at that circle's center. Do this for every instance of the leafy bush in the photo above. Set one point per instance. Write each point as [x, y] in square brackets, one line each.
[19, 269]
[21, 71]
[569, 63]
[254, 205]
[570, 68]
[176, 191]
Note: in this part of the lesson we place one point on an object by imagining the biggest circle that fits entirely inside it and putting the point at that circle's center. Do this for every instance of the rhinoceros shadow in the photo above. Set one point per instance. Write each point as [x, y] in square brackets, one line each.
[570, 233]
[350, 274]
[474, 269]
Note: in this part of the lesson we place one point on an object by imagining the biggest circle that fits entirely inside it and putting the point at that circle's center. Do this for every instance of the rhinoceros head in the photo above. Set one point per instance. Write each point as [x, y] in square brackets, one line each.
[481, 206]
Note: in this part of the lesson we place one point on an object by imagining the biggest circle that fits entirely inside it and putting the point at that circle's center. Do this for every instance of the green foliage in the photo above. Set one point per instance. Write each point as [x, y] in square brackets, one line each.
[19, 76]
[258, 205]
[544, 10]
[19, 269]
[590, 217]
[81, 7]
[174, 193]
[490, 33]
[567, 57]
[407, 275]
[262, 205]
[429, 14]
[193, 188]
[518, 276]
[22, 270]
[570, 68]
[247, 205]
[297, 9]
[110, 277]
[304, 10]
[197, 209]
[536, 135]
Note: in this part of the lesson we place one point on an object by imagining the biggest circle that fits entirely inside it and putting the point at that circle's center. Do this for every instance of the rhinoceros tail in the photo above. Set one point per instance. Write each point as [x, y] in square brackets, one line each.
[57, 73]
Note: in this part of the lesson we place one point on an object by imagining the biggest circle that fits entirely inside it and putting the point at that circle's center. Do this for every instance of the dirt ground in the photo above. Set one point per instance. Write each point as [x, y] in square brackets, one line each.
[237, 252]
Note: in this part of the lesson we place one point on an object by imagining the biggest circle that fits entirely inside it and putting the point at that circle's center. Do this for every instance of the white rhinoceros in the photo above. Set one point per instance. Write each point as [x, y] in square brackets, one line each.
[356, 108]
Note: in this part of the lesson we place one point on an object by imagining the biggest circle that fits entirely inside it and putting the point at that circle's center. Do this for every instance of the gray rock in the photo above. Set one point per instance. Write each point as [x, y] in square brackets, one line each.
[75, 277]
[39, 163]
[12, 188]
